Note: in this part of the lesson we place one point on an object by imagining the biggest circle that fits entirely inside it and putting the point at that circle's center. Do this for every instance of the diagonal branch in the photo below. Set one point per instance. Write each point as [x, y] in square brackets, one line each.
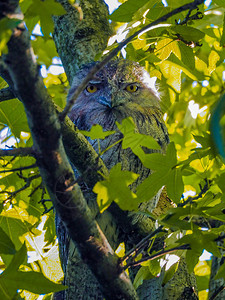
[156, 255]
[57, 173]
[28, 181]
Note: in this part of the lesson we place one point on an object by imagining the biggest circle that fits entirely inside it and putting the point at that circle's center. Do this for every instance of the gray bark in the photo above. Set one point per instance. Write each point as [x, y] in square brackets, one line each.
[74, 52]
[77, 44]
[78, 41]
[56, 170]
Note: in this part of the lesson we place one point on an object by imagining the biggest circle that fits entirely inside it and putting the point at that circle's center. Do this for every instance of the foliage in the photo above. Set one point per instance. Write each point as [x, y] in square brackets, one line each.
[188, 62]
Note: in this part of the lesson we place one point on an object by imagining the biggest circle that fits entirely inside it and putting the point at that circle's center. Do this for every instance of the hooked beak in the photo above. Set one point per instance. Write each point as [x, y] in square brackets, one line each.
[105, 101]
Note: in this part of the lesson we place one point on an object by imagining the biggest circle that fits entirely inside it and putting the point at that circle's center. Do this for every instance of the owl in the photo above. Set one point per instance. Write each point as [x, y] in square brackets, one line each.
[121, 89]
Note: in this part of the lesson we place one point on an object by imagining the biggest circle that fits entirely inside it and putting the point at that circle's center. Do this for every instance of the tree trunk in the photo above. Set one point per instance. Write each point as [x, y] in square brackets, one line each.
[77, 43]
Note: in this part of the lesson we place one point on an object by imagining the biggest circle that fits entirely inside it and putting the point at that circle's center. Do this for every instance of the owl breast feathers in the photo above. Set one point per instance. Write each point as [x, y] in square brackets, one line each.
[121, 89]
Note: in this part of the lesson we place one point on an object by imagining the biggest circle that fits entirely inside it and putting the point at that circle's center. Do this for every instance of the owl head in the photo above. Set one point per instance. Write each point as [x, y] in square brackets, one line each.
[118, 90]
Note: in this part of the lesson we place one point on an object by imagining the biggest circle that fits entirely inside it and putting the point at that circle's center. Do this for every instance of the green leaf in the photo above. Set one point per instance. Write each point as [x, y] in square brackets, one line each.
[6, 244]
[192, 258]
[192, 73]
[14, 116]
[199, 241]
[6, 26]
[188, 33]
[97, 132]
[154, 267]
[31, 281]
[169, 273]
[126, 10]
[165, 173]
[175, 185]
[187, 55]
[43, 10]
[18, 259]
[135, 140]
[45, 50]
[202, 273]
[157, 12]
[221, 272]
[16, 223]
[142, 274]
[203, 139]
[219, 3]
[116, 188]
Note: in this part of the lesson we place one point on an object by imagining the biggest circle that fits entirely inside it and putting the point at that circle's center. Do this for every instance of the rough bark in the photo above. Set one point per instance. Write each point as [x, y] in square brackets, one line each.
[48, 143]
[57, 172]
[75, 268]
[78, 41]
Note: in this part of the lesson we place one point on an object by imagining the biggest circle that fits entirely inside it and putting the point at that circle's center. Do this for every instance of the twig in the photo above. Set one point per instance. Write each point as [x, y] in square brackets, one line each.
[199, 15]
[217, 292]
[40, 186]
[42, 201]
[28, 182]
[163, 252]
[142, 244]
[26, 151]
[6, 94]
[203, 191]
[191, 6]
[19, 169]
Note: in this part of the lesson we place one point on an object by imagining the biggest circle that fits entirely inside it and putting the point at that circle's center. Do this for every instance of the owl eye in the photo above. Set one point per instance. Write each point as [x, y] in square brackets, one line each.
[131, 88]
[91, 88]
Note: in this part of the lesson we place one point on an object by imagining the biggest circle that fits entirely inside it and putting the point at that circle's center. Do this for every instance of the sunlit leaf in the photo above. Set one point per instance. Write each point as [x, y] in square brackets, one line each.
[165, 173]
[116, 188]
[6, 26]
[43, 11]
[199, 241]
[222, 41]
[169, 273]
[97, 132]
[31, 281]
[14, 116]
[126, 10]
[45, 50]
[202, 273]
[135, 140]
[142, 274]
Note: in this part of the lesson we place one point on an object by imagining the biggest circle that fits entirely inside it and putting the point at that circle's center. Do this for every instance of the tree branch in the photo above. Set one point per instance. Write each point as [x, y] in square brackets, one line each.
[6, 94]
[28, 151]
[57, 173]
[81, 153]
[156, 255]
[217, 292]
[19, 169]
[142, 244]
[191, 6]
[28, 181]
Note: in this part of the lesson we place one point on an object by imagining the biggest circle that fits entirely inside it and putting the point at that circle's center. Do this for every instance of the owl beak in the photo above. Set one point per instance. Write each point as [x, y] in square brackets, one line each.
[105, 101]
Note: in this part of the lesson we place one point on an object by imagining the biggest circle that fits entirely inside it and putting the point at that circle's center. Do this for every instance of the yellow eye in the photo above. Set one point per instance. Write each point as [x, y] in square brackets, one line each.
[131, 88]
[91, 88]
